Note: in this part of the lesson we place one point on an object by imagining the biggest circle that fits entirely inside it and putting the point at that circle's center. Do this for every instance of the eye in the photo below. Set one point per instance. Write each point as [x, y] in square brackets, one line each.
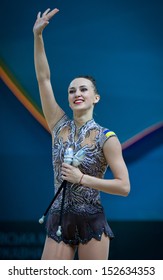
[83, 89]
[71, 91]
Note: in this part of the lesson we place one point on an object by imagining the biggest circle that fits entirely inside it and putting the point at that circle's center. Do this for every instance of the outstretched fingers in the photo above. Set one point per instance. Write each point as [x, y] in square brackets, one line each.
[48, 14]
[38, 15]
[52, 13]
[43, 20]
[45, 13]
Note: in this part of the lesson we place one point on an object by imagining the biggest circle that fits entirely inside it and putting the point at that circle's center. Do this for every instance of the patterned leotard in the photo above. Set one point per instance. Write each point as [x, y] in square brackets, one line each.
[83, 215]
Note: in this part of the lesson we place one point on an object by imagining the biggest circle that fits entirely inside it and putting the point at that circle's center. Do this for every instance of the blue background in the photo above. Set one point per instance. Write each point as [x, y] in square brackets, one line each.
[118, 42]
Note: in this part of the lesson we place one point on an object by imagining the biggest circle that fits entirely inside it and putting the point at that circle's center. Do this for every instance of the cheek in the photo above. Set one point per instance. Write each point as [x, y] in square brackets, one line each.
[70, 101]
[91, 99]
[69, 98]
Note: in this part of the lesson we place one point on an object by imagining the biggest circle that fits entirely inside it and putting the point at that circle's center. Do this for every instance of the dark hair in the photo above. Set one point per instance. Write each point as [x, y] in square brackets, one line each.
[92, 79]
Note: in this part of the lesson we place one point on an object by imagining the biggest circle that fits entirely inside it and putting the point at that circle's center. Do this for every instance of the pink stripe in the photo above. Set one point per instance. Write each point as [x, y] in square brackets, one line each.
[141, 135]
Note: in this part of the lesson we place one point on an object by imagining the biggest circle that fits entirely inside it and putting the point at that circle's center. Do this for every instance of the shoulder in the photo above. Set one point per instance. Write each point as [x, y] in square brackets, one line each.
[64, 121]
[113, 145]
[112, 150]
[106, 134]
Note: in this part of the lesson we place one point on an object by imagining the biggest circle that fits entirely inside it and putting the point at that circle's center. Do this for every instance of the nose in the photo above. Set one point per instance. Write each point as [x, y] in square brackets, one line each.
[77, 93]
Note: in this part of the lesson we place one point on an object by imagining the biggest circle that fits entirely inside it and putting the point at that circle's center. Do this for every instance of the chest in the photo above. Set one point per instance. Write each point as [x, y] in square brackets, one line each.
[87, 139]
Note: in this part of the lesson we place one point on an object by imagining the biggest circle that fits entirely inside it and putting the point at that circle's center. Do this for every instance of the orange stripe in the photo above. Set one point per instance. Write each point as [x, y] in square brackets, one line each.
[24, 100]
[39, 117]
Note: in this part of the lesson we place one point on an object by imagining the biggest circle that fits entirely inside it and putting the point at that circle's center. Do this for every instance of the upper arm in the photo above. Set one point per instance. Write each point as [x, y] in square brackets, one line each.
[52, 111]
[113, 153]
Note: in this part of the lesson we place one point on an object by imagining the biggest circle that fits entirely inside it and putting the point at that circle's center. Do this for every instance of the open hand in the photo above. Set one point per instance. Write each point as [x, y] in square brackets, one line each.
[43, 21]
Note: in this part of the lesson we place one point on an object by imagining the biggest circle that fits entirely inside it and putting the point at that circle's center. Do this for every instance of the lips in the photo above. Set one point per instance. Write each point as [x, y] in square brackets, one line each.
[78, 101]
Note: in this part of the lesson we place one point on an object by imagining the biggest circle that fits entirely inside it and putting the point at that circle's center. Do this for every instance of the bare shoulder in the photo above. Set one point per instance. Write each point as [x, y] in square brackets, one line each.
[113, 151]
[112, 144]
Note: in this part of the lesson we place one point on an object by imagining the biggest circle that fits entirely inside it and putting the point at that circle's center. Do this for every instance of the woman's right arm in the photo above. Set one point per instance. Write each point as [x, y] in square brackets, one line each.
[51, 109]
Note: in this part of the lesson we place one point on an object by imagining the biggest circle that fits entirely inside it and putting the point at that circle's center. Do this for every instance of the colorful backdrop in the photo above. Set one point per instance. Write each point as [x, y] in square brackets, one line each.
[119, 43]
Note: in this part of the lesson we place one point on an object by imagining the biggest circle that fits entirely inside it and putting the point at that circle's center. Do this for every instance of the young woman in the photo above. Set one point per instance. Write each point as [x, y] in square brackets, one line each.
[84, 225]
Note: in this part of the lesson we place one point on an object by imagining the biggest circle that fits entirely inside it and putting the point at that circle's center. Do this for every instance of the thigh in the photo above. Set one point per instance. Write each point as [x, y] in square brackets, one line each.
[94, 249]
[57, 251]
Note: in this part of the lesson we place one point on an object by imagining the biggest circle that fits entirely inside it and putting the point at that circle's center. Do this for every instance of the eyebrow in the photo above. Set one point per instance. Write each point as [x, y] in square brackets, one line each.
[82, 86]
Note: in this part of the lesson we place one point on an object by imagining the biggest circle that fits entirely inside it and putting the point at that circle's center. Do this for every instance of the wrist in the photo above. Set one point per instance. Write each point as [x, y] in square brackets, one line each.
[37, 35]
[81, 178]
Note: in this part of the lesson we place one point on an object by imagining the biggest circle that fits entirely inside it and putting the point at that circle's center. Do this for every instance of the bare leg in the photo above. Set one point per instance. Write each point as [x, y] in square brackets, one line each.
[57, 251]
[94, 249]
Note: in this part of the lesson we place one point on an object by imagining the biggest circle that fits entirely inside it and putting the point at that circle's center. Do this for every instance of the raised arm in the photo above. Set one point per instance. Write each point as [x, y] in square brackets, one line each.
[51, 109]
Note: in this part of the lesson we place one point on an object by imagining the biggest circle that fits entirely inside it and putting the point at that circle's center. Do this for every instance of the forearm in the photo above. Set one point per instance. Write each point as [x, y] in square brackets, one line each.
[40, 59]
[111, 186]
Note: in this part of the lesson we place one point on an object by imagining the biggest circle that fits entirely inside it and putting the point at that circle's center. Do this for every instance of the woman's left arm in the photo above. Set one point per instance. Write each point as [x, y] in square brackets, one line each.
[119, 185]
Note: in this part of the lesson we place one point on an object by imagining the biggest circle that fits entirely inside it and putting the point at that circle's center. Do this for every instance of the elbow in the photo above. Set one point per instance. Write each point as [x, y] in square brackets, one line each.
[126, 189]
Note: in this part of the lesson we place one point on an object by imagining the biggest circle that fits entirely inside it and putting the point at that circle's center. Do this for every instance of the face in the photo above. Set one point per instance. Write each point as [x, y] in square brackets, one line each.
[81, 94]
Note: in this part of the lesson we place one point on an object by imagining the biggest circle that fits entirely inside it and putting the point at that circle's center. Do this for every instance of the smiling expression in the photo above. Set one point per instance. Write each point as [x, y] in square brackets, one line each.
[82, 95]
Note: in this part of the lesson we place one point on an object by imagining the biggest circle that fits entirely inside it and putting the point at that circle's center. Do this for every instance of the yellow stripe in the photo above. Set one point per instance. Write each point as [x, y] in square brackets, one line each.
[110, 133]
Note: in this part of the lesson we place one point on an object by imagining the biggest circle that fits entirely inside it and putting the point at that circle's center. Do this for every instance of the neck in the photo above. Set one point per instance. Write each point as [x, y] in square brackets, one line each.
[81, 119]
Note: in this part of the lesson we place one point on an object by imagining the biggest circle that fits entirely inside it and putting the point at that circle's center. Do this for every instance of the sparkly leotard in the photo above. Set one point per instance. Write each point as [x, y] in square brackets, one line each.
[83, 215]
